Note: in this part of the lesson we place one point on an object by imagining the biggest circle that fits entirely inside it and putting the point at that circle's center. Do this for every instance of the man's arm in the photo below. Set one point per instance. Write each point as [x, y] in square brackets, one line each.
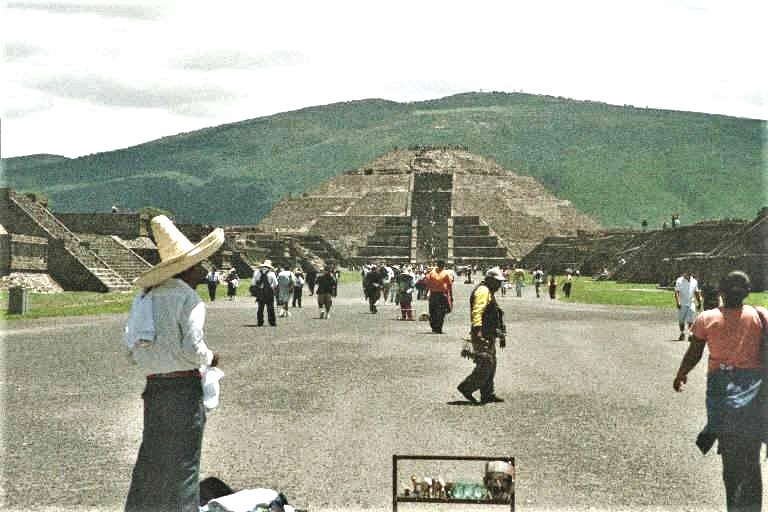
[690, 360]
[677, 298]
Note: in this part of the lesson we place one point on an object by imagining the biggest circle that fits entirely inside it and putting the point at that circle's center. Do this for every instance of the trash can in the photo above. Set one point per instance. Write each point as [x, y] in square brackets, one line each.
[17, 300]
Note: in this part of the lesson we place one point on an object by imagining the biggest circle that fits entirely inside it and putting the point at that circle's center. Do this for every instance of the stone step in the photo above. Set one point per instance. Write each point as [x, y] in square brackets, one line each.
[469, 230]
[497, 252]
[475, 241]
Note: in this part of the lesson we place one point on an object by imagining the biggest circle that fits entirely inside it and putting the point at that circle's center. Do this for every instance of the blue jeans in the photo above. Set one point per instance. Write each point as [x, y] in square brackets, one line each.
[167, 470]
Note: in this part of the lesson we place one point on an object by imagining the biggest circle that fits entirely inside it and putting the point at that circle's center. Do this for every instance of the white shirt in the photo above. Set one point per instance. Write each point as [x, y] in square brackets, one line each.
[686, 290]
[271, 278]
[179, 316]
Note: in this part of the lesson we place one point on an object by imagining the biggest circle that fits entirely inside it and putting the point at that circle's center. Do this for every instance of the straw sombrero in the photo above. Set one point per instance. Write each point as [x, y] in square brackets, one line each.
[177, 253]
[268, 264]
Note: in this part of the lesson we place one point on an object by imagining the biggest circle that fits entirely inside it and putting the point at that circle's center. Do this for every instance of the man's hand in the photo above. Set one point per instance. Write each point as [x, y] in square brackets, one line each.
[679, 383]
[215, 361]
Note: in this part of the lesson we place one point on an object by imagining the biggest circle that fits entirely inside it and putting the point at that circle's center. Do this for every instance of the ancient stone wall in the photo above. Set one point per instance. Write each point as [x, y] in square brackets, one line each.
[711, 269]
[381, 203]
[346, 234]
[124, 225]
[298, 214]
[27, 253]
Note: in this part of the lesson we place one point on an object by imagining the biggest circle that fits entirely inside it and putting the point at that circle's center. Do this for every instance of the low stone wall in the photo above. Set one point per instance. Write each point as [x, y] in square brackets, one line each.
[23, 253]
[124, 225]
[711, 269]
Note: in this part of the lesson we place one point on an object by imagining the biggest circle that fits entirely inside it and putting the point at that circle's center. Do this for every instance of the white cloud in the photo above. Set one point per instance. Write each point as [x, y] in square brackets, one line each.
[177, 66]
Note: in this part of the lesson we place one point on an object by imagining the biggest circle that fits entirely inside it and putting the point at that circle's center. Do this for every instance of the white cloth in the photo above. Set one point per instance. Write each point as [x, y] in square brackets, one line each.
[687, 290]
[178, 313]
[244, 501]
[140, 327]
[211, 386]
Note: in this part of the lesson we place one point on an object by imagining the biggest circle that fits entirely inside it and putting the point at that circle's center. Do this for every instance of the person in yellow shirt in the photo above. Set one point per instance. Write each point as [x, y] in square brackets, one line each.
[487, 324]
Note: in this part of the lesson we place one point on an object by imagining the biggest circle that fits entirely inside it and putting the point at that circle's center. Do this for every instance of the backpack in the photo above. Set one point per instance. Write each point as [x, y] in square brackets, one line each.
[260, 289]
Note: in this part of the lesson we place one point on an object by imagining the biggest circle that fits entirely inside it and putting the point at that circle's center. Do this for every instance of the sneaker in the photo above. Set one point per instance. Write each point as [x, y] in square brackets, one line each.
[690, 337]
[322, 315]
[328, 315]
[493, 399]
[681, 337]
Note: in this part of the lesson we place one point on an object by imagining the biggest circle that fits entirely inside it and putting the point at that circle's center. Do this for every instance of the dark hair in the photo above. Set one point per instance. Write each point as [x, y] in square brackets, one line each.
[441, 263]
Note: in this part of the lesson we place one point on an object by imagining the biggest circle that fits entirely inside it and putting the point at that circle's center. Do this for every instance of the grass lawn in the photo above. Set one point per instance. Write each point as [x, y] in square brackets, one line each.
[584, 290]
[630, 294]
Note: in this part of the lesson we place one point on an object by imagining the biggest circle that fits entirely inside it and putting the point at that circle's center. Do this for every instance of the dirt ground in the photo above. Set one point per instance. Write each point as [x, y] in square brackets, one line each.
[317, 408]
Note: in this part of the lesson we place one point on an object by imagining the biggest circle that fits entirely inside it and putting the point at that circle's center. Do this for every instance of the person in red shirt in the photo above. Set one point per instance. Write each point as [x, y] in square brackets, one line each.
[440, 285]
[735, 388]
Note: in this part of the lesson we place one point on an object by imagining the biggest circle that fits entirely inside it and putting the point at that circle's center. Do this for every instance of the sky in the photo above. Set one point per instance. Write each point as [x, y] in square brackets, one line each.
[84, 77]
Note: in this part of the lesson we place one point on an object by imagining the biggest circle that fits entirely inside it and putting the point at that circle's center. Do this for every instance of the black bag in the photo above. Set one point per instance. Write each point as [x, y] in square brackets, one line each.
[259, 290]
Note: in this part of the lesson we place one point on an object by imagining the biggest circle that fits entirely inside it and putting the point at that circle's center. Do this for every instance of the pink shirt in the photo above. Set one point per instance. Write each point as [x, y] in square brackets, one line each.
[733, 336]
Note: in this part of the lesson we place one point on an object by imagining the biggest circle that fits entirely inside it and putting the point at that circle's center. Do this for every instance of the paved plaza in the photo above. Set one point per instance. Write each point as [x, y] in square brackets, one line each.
[316, 408]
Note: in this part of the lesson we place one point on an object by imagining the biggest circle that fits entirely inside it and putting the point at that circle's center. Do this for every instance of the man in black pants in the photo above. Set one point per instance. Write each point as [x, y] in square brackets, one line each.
[372, 287]
[487, 324]
[440, 285]
[265, 281]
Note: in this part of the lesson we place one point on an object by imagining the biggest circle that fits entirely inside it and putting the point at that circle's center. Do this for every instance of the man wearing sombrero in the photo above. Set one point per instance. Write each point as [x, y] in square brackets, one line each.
[165, 337]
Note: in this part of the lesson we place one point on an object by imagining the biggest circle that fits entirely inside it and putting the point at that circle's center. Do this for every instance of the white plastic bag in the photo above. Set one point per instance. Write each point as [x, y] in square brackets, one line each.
[211, 386]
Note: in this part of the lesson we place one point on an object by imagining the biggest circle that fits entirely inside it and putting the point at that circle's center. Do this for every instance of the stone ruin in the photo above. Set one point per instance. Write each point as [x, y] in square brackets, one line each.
[709, 249]
[421, 204]
[46, 252]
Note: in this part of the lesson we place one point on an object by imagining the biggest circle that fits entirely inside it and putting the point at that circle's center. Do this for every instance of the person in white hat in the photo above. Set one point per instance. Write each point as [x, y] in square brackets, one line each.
[264, 284]
[487, 321]
[169, 348]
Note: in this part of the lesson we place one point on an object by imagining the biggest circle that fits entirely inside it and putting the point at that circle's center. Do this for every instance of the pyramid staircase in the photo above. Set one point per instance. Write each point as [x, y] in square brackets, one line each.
[107, 279]
[390, 243]
[117, 254]
[473, 243]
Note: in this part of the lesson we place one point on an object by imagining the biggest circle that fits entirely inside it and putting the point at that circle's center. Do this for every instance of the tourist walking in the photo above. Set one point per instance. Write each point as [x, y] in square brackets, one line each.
[165, 338]
[386, 281]
[552, 287]
[212, 280]
[263, 286]
[538, 280]
[405, 284]
[285, 281]
[232, 280]
[518, 277]
[372, 287]
[736, 389]
[687, 299]
[311, 276]
[486, 326]
[567, 285]
[440, 286]
[298, 288]
[326, 290]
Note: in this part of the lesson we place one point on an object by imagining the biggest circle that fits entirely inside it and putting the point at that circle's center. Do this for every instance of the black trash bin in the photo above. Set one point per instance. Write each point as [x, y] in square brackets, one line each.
[18, 302]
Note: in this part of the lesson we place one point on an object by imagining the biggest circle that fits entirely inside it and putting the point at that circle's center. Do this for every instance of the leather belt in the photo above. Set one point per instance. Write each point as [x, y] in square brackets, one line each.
[175, 375]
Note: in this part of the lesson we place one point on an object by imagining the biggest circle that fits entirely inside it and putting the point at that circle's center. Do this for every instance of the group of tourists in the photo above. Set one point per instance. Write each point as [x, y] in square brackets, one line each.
[165, 337]
[271, 285]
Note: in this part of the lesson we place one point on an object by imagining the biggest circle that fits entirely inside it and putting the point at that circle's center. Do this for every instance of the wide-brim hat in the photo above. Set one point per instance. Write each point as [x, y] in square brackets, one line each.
[268, 264]
[177, 253]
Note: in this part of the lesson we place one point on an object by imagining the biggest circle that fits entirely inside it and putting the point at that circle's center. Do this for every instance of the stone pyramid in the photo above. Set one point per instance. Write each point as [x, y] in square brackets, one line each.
[417, 205]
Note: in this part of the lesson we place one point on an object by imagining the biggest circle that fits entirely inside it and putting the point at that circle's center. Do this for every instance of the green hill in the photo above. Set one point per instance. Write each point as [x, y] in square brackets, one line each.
[618, 164]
